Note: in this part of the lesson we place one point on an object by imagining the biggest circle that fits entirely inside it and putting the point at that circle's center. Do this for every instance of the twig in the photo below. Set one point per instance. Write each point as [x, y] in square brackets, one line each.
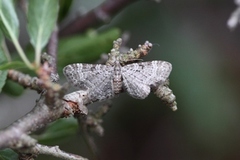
[52, 48]
[53, 91]
[166, 95]
[23, 5]
[53, 151]
[39, 117]
[101, 14]
[92, 123]
[25, 80]
[129, 57]
[88, 139]
[15, 136]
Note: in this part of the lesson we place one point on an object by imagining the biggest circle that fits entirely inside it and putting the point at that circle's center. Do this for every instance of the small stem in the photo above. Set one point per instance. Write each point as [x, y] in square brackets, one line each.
[21, 53]
[87, 138]
[16, 43]
[38, 50]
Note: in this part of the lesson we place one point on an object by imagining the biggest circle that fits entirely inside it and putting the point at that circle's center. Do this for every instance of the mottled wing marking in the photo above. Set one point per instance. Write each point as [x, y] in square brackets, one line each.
[139, 77]
[96, 78]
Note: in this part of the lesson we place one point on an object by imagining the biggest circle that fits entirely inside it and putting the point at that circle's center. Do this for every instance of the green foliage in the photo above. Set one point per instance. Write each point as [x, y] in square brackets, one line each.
[12, 65]
[8, 154]
[85, 48]
[8, 19]
[42, 16]
[58, 131]
[3, 73]
[80, 48]
[10, 26]
[12, 88]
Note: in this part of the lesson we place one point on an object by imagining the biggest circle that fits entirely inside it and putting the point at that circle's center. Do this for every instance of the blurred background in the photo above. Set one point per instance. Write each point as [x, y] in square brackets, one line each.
[205, 54]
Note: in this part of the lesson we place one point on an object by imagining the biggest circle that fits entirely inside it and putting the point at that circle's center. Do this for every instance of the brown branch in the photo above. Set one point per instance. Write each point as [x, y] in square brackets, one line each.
[101, 14]
[16, 135]
[25, 80]
[54, 105]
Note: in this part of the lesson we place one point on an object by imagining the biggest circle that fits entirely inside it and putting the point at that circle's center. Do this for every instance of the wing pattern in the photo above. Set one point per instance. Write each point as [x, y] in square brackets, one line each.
[139, 77]
[96, 78]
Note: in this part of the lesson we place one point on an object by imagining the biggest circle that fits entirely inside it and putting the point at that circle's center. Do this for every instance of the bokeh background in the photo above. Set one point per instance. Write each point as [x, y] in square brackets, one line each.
[205, 54]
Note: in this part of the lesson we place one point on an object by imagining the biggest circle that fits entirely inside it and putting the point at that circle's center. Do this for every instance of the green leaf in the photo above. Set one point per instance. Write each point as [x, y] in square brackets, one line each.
[42, 16]
[8, 19]
[10, 25]
[58, 131]
[85, 48]
[12, 88]
[13, 65]
[8, 154]
[80, 48]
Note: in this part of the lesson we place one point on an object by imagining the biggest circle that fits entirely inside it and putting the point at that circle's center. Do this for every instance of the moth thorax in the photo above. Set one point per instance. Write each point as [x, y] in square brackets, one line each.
[117, 79]
[117, 84]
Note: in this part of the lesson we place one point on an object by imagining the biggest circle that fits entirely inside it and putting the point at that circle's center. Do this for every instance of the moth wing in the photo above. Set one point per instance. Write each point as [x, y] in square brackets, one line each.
[96, 78]
[138, 78]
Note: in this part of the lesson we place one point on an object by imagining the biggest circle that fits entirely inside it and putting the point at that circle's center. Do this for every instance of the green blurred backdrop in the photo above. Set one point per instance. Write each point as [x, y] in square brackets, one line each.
[205, 55]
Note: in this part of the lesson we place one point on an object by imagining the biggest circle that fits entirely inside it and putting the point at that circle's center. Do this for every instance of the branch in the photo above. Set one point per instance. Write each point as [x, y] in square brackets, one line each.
[16, 135]
[53, 105]
[53, 151]
[101, 14]
[166, 95]
[25, 80]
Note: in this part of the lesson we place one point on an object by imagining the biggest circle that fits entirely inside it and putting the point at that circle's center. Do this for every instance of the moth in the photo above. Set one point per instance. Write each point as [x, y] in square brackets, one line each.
[106, 81]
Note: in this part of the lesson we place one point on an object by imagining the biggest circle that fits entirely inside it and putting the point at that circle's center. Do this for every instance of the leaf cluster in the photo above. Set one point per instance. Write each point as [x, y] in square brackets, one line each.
[42, 18]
